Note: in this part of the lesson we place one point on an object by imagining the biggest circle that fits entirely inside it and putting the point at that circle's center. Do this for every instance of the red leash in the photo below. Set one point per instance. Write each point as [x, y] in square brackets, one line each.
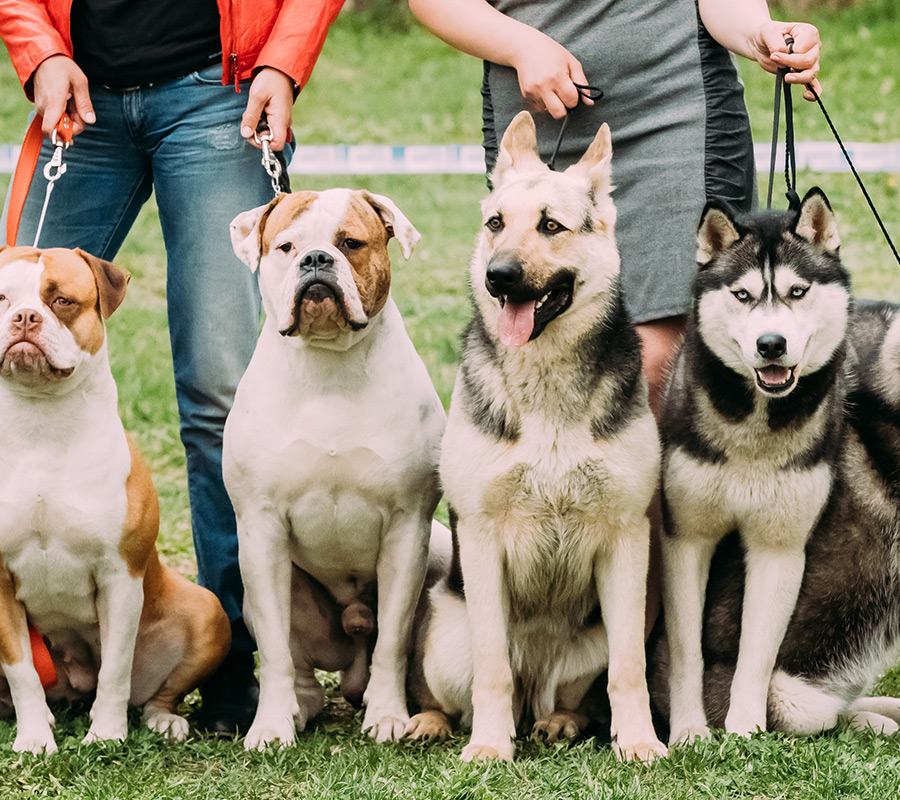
[43, 663]
[25, 167]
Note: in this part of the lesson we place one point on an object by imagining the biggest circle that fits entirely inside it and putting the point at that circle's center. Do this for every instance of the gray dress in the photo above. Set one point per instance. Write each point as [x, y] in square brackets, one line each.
[679, 128]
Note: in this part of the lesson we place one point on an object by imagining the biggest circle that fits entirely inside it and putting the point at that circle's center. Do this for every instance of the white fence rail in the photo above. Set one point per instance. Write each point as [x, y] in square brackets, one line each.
[468, 159]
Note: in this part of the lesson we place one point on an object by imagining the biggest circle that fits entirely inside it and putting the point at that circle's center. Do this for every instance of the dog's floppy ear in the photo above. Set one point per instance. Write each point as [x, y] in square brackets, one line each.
[247, 230]
[816, 222]
[394, 221]
[597, 160]
[111, 282]
[717, 231]
[518, 148]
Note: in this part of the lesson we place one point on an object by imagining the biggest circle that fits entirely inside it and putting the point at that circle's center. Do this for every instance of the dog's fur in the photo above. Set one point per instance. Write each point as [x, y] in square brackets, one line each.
[752, 426]
[845, 627]
[549, 462]
[80, 518]
[330, 458]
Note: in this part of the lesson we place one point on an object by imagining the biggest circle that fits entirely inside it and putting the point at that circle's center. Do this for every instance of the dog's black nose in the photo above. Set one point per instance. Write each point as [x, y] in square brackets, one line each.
[317, 259]
[503, 276]
[771, 346]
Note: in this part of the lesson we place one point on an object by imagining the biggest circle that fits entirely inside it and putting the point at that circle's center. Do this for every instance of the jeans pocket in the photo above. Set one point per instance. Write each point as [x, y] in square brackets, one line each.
[210, 76]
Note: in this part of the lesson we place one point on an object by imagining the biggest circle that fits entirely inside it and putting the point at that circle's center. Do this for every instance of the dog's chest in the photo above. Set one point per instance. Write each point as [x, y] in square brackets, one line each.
[61, 524]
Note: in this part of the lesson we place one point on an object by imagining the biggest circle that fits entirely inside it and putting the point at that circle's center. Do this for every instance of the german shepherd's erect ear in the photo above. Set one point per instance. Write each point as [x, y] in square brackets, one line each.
[518, 149]
[597, 161]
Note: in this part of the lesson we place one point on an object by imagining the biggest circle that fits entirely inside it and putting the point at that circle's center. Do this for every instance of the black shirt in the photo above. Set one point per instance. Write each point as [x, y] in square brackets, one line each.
[124, 43]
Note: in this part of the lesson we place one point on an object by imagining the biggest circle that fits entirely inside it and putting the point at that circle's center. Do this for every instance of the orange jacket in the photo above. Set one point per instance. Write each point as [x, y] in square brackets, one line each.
[285, 34]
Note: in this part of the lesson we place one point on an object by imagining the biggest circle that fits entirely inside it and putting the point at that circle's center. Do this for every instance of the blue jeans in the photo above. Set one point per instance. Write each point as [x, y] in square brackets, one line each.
[182, 139]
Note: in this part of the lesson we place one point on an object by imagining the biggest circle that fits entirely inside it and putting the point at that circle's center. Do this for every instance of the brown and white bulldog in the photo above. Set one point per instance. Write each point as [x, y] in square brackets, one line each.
[79, 518]
[330, 458]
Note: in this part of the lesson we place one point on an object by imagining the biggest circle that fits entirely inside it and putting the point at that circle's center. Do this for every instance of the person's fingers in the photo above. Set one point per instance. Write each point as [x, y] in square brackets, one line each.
[250, 119]
[577, 76]
[81, 97]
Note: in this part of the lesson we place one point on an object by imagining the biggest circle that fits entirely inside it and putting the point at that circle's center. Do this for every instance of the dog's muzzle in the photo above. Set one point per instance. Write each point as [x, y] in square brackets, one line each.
[317, 285]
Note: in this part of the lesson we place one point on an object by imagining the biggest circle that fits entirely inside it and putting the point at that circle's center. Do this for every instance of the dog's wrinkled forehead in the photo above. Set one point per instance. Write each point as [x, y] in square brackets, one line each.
[41, 275]
[319, 217]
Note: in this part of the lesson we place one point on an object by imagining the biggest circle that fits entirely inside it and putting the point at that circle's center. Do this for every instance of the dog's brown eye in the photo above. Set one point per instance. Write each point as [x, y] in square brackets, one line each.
[353, 244]
[285, 248]
[495, 223]
[2, 297]
[552, 226]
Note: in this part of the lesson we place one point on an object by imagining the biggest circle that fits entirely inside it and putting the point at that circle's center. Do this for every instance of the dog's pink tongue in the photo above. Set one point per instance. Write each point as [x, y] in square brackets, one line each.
[516, 323]
[774, 375]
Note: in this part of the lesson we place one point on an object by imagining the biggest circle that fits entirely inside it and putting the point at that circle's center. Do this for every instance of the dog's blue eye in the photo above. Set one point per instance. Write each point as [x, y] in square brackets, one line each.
[742, 295]
[495, 223]
[798, 291]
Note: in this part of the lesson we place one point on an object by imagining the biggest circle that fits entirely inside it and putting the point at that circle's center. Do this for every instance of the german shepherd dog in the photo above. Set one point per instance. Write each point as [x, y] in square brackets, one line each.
[846, 623]
[752, 431]
[549, 462]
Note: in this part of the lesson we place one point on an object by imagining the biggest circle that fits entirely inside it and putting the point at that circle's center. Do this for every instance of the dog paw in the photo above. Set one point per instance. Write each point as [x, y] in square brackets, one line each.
[687, 734]
[273, 730]
[428, 726]
[745, 722]
[640, 751]
[484, 752]
[171, 726]
[558, 726]
[872, 721]
[106, 731]
[34, 739]
[385, 728]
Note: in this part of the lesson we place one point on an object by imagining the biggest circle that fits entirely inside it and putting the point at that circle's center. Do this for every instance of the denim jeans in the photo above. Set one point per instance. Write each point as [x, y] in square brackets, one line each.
[182, 139]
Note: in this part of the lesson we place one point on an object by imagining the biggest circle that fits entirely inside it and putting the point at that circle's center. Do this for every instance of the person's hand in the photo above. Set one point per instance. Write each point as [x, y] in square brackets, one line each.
[61, 87]
[548, 74]
[273, 92]
[771, 52]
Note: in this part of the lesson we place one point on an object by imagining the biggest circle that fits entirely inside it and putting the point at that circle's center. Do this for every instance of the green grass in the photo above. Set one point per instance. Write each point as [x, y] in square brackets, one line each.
[375, 86]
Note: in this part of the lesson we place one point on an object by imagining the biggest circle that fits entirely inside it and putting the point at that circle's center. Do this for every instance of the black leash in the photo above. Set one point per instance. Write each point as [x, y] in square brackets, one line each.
[790, 162]
[589, 92]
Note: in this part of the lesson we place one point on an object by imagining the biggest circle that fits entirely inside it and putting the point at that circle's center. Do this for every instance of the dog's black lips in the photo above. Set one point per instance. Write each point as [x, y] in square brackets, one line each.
[558, 291]
[317, 290]
[776, 388]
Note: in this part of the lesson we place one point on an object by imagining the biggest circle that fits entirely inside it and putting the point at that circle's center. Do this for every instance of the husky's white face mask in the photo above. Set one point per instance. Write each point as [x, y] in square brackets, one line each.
[771, 297]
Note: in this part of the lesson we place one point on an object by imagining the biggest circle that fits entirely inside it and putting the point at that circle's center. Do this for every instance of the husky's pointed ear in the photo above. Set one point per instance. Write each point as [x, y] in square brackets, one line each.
[518, 148]
[596, 161]
[717, 231]
[247, 231]
[395, 222]
[816, 222]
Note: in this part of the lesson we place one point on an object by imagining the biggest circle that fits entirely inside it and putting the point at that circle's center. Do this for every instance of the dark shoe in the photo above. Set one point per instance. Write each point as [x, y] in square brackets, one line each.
[229, 698]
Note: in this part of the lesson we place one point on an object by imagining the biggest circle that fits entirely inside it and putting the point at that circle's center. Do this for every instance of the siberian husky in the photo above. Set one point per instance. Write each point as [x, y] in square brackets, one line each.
[846, 624]
[549, 462]
[752, 426]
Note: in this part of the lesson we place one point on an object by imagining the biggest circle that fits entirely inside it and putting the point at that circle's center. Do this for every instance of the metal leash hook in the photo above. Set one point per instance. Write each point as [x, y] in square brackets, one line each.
[54, 169]
[263, 135]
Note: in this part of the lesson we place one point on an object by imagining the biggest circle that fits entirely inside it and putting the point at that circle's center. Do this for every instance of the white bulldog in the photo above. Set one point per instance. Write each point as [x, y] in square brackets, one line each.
[330, 458]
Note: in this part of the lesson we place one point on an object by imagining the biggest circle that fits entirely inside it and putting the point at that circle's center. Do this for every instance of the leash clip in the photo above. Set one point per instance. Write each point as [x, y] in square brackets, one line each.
[55, 168]
[270, 163]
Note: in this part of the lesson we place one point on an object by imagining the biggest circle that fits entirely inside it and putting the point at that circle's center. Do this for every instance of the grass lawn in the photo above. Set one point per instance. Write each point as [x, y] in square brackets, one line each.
[432, 96]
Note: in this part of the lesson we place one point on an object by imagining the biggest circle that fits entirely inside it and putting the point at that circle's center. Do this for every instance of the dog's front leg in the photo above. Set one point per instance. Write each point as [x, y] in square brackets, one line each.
[621, 573]
[120, 600]
[686, 560]
[33, 717]
[772, 585]
[487, 607]
[266, 571]
[401, 567]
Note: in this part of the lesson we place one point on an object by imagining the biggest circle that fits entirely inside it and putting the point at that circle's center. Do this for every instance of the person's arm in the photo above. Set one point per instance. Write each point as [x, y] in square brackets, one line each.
[746, 28]
[285, 64]
[547, 71]
[42, 60]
